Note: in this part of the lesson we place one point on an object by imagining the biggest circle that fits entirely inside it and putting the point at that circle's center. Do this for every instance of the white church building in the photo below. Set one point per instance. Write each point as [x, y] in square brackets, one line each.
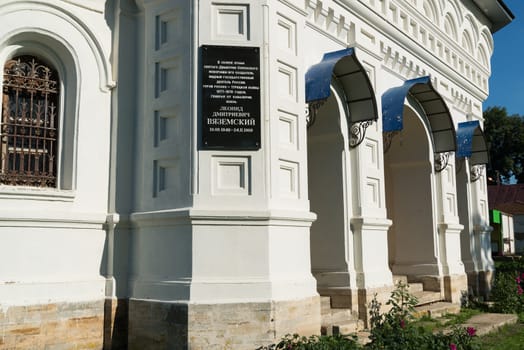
[180, 174]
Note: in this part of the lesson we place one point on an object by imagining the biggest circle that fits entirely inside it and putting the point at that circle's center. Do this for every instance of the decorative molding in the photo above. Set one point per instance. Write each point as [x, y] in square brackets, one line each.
[441, 161]
[435, 49]
[51, 219]
[405, 67]
[370, 223]
[327, 21]
[357, 132]
[36, 194]
[476, 172]
[93, 5]
[106, 82]
[294, 7]
[184, 216]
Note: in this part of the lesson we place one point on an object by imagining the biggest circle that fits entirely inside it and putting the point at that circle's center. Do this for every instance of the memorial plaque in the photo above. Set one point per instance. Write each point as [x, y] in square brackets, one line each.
[230, 97]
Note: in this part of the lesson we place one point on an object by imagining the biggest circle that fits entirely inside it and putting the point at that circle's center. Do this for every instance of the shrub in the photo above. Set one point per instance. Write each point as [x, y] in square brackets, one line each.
[395, 329]
[508, 288]
[296, 342]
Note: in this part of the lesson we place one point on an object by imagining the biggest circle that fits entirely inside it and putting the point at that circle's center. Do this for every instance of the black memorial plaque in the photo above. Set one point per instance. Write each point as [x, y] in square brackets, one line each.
[230, 97]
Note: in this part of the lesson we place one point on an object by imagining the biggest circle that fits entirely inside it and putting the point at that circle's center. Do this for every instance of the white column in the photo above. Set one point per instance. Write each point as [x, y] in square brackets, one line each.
[449, 228]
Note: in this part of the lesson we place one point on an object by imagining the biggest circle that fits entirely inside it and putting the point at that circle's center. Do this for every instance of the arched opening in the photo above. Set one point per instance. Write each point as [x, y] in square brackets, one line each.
[409, 198]
[55, 55]
[328, 179]
[342, 105]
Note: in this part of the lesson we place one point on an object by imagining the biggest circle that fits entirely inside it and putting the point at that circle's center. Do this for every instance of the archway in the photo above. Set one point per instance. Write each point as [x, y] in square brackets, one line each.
[342, 104]
[329, 194]
[410, 193]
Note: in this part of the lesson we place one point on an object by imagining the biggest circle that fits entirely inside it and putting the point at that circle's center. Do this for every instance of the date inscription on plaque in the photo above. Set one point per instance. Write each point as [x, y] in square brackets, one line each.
[230, 97]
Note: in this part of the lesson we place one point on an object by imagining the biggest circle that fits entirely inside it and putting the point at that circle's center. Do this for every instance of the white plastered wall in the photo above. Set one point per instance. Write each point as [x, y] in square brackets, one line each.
[269, 187]
[54, 239]
[236, 226]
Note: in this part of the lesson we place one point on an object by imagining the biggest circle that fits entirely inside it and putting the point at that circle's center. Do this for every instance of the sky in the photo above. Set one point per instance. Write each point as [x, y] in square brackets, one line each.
[506, 84]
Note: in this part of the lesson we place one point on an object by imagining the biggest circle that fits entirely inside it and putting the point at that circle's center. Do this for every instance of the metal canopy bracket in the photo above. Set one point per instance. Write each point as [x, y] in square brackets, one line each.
[435, 109]
[357, 132]
[344, 67]
[471, 144]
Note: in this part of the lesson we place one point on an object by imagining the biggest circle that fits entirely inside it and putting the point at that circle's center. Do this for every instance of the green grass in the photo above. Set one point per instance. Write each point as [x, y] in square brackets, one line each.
[509, 337]
[446, 321]
[461, 317]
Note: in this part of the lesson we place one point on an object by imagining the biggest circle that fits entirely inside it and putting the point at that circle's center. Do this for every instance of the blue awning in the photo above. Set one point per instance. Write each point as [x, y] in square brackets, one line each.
[471, 143]
[343, 66]
[435, 109]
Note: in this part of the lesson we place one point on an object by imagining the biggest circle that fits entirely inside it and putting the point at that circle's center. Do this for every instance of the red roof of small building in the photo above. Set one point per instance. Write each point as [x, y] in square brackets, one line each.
[507, 198]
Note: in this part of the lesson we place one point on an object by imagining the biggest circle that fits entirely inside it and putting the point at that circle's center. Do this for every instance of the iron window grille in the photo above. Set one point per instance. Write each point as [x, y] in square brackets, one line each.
[29, 124]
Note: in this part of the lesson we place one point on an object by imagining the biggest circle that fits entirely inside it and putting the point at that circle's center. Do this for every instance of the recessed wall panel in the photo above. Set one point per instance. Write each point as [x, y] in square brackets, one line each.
[287, 81]
[288, 179]
[286, 37]
[168, 29]
[230, 21]
[287, 130]
[231, 176]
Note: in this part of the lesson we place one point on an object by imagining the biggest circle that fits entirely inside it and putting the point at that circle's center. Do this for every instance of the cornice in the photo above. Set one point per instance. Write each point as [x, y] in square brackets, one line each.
[294, 7]
[396, 36]
[325, 21]
[53, 8]
[93, 5]
[438, 34]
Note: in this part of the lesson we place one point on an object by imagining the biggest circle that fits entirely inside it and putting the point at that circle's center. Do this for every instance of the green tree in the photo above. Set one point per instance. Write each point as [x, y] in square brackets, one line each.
[505, 138]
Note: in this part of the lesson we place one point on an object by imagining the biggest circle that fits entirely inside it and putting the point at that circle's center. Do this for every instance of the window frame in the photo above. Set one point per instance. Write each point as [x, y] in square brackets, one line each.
[59, 57]
[30, 151]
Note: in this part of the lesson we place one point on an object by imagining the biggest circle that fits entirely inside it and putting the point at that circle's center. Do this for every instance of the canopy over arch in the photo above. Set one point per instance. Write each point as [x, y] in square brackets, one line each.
[344, 67]
[435, 109]
[471, 143]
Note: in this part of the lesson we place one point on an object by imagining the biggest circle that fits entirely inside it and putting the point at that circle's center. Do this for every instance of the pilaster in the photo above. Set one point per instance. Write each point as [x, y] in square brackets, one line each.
[220, 234]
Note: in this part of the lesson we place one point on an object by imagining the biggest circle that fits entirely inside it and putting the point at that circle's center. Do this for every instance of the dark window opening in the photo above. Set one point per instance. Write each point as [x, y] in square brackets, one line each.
[29, 123]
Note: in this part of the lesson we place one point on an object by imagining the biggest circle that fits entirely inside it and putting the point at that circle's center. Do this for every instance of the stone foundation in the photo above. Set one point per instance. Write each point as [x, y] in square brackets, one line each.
[115, 324]
[485, 283]
[76, 325]
[341, 298]
[430, 283]
[162, 325]
[365, 296]
[473, 283]
[455, 288]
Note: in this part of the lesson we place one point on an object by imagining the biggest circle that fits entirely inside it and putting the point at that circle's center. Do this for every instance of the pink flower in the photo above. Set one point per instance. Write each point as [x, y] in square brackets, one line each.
[452, 346]
[471, 331]
[517, 279]
[520, 290]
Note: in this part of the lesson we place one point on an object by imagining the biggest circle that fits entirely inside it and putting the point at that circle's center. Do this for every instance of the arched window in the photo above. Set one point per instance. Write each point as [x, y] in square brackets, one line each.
[29, 123]
[449, 26]
[467, 44]
[430, 11]
[483, 57]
